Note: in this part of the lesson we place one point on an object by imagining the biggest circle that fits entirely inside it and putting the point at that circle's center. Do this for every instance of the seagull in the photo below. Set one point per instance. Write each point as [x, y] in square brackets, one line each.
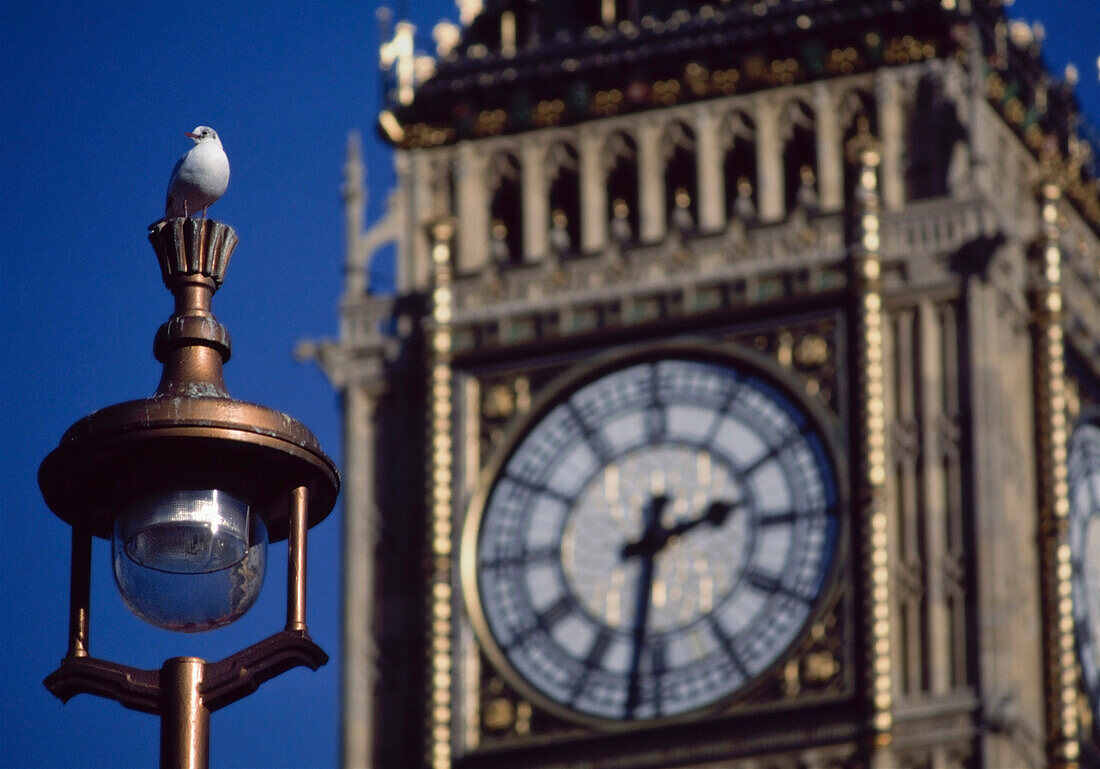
[200, 176]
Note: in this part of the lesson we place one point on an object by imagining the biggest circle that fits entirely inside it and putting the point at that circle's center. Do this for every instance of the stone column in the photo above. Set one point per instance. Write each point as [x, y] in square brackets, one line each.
[979, 120]
[769, 160]
[891, 130]
[652, 217]
[473, 208]
[420, 184]
[593, 192]
[536, 207]
[411, 254]
[830, 152]
[360, 654]
[935, 496]
[353, 191]
[710, 192]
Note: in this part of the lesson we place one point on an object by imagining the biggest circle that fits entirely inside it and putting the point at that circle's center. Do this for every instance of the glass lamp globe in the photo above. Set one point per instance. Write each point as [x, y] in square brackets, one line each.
[189, 560]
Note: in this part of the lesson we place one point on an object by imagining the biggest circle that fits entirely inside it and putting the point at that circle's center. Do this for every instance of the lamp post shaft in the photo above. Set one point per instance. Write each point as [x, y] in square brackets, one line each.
[79, 592]
[184, 720]
[296, 560]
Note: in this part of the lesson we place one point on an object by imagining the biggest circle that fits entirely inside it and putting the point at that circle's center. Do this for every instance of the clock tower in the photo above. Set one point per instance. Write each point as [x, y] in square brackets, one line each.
[733, 404]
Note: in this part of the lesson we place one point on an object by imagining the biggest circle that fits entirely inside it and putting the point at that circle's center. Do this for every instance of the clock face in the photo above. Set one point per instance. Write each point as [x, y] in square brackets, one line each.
[655, 539]
[1084, 541]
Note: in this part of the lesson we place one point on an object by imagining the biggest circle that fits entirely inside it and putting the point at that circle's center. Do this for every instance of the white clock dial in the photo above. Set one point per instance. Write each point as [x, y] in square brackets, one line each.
[656, 539]
[1084, 541]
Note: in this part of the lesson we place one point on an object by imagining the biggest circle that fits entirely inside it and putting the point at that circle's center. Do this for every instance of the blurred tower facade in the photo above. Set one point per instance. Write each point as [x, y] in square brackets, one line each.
[877, 219]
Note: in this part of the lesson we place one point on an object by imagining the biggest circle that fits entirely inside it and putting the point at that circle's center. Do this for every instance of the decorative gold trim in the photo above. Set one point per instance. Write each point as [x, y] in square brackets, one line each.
[1059, 648]
[441, 505]
[871, 405]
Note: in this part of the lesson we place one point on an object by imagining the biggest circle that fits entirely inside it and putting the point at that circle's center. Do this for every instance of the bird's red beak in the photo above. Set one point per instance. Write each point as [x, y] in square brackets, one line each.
[190, 135]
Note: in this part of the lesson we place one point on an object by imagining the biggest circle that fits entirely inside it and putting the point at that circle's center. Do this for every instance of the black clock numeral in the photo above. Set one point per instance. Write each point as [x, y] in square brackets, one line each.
[728, 646]
[778, 519]
[596, 652]
[762, 460]
[658, 665]
[656, 423]
[593, 661]
[558, 611]
[536, 557]
[541, 490]
[720, 415]
[543, 555]
[544, 622]
[592, 437]
[788, 440]
[655, 417]
[658, 657]
[769, 584]
[765, 582]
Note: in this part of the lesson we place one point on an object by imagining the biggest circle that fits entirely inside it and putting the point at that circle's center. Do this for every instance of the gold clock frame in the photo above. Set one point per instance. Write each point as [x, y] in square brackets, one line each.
[695, 348]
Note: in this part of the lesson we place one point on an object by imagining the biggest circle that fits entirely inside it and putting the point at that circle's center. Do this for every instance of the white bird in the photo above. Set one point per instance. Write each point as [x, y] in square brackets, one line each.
[200, 176]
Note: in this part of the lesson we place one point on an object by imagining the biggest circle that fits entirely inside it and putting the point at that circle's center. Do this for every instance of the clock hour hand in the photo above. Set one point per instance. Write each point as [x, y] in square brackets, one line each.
[715, 514]
[652, 540]
[656, 536]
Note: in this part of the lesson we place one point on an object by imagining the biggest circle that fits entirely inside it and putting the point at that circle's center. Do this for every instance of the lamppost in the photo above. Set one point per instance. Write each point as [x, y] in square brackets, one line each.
[189, 486]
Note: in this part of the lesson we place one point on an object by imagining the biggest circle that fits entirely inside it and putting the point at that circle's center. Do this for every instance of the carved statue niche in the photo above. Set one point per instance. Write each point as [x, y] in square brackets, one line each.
[797, 131]
[506, 209]
[681, 178]
[937, 142]
[857, 115]
[737, 137]
[621, 169]
[561, 172]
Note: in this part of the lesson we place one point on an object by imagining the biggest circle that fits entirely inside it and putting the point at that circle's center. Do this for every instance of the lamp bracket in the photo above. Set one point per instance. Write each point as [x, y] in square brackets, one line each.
[223, 682]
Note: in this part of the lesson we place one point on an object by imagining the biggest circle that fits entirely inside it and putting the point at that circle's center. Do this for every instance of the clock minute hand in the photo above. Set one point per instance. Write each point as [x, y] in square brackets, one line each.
[652, 540]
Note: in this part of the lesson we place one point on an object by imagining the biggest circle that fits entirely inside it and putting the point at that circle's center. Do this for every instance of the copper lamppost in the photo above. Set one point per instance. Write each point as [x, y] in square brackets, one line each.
[189, 485]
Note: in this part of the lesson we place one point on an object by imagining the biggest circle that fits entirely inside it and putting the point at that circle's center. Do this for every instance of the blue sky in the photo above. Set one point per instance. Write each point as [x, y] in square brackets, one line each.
[94, 101]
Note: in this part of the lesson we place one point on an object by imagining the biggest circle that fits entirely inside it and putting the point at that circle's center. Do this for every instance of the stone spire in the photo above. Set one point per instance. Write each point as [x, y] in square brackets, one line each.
[354, 193]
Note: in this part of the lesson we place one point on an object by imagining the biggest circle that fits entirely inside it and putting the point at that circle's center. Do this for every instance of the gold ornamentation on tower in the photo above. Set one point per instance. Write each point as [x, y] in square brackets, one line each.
[441, 434]
[1052, 429]
[867, 268]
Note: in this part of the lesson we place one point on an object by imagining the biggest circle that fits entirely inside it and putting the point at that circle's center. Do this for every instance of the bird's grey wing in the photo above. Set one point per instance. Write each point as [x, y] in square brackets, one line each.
[171, 181]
